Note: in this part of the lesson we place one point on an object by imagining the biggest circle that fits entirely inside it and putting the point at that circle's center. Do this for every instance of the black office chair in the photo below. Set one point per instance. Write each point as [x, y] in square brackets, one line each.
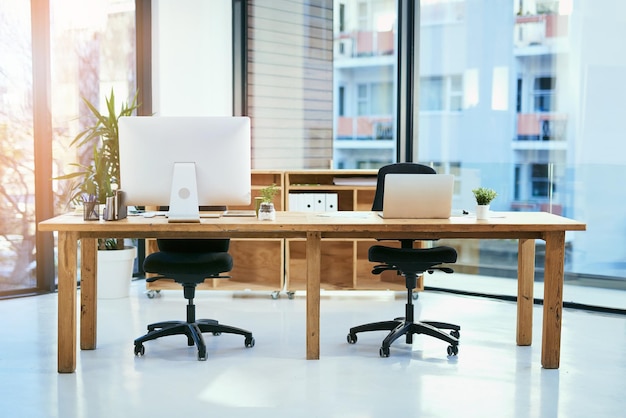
[189, 262]
[411, 263]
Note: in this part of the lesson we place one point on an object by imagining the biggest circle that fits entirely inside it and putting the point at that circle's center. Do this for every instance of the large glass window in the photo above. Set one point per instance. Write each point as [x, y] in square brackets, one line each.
[92, 54]
[365, 83]
[77, 49]
[290, 83]
[533, 113]
[17, 169]
[539, 121]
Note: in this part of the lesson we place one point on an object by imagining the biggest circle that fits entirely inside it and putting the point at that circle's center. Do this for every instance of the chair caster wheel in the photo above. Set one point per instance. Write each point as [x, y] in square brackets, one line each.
[351, 338]
[383, 352]
[453, 350]
[217, 334]
[455, 333]
[140, 350]
[249, 342]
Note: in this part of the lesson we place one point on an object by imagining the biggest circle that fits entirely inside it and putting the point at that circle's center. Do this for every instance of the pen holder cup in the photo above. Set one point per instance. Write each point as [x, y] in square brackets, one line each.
[115, 207]
[91, 211]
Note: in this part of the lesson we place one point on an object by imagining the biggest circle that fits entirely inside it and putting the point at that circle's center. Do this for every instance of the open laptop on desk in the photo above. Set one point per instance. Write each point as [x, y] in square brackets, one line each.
[417, 196]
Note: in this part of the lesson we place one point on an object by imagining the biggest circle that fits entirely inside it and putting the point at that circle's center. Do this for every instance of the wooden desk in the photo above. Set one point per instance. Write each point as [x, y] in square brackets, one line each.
[526, 227]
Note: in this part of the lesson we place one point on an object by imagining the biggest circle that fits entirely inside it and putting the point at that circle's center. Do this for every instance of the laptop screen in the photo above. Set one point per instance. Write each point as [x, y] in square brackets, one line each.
[418, 196]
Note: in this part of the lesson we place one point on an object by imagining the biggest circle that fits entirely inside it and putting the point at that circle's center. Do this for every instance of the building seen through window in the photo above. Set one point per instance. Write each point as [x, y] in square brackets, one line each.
[511, 95]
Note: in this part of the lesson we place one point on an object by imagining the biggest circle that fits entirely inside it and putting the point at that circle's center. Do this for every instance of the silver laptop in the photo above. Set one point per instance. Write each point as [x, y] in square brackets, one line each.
[417, 196]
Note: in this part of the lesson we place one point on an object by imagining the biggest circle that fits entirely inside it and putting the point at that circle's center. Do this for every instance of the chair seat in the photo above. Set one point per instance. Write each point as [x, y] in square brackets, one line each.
[170, 263]
[427, 256]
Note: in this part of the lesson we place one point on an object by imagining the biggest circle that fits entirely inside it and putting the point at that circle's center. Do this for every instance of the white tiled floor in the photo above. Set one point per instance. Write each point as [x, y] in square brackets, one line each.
[491, 377]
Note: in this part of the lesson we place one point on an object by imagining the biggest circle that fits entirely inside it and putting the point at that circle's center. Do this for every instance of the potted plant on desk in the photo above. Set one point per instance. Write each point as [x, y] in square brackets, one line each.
[92, 183]
[483, 196]
[267, 212]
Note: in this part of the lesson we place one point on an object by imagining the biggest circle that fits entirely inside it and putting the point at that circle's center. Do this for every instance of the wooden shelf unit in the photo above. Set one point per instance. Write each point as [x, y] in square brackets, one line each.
[344, 264]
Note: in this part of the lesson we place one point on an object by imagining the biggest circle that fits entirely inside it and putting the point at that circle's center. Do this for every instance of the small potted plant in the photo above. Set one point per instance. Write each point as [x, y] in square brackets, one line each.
[267, 212]
[484, 196]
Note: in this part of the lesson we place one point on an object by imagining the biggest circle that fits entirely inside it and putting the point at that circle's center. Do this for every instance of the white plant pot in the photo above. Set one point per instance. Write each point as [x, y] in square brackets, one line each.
[115, 272]
[482, 211]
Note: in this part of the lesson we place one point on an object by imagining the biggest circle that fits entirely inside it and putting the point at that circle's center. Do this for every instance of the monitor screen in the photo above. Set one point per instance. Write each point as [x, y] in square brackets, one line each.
[185, 162]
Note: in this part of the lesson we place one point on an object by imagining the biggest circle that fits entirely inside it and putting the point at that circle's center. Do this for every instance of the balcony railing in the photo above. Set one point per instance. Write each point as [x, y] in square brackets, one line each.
[539, 30]
[364, 128]
[364, 44]
[541, 127]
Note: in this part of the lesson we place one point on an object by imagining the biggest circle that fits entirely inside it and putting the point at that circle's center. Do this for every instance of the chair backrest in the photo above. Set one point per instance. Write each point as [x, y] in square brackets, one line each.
[411, 168]
[194, 245]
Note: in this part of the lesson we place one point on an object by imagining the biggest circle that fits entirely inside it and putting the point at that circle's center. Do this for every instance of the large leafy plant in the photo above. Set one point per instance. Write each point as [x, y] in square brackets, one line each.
[97, 177]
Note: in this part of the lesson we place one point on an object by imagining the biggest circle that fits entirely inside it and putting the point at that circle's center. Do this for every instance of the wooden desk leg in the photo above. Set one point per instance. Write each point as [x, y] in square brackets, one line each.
[66, 344]
[525, 282]
[313, 260]
[553, 299]
[88, 293]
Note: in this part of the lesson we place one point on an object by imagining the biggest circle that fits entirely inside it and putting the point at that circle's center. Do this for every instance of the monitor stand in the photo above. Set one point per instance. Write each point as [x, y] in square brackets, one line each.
[184, 195]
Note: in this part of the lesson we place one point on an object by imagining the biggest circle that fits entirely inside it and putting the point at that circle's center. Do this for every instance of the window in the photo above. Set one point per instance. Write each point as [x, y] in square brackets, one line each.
[543, 94]
[341, 100]
[365, 79]
[91, 50]
[456, 93]
[441, 93]
[431, 94]
[93, 53]
[375, 99]
[518, 96]
[363, 17]
[362, 100]
[542, 187]
[342, 17]
[17, 167]
[517, 181]
[477, 142]
[290, 84]
[381, 99]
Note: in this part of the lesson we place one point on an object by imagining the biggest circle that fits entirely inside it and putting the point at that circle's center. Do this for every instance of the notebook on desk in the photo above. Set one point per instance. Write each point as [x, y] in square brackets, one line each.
[417, 196]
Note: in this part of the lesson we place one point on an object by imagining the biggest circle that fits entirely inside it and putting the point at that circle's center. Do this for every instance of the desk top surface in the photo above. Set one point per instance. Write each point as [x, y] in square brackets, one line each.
[330, 224]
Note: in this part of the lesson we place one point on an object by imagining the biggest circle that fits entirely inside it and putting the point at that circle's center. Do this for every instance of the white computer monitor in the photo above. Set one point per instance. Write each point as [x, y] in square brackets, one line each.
[185, 162]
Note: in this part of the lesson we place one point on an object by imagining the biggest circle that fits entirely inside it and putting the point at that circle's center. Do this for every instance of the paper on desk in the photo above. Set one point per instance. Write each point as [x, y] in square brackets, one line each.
[345, 214]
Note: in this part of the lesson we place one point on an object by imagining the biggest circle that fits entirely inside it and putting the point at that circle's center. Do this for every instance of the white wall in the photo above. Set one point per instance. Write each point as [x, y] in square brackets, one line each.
[192, 58]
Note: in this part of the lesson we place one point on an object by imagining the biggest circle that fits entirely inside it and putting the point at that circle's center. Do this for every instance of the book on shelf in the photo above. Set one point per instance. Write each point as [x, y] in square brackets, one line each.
[355, 181]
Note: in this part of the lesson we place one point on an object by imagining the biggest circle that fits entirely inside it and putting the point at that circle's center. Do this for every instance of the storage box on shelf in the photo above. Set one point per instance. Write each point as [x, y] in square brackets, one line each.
[258, 264]
[344, 264]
